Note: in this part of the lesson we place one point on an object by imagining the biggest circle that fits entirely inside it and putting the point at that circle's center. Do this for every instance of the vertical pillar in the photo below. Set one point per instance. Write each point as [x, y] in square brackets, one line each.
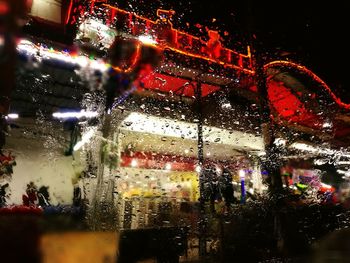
[7, 54]
[200, 145]
[103, 210]
[256, 176]
[272, 160]
[243, 190]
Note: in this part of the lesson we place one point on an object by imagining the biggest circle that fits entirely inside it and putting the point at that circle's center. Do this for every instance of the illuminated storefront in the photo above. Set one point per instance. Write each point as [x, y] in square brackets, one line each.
[158, 147]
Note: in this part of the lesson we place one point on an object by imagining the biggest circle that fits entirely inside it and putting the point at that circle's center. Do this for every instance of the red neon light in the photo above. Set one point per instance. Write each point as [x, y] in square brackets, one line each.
[69, 11]
[173, 44]
[289, 107]
[178, 86]
[92, 5]
[167, 13]
[313, 76]
[112, 15]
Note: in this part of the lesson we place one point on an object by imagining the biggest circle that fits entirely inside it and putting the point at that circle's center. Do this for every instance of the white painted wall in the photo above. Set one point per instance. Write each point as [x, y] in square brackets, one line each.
[47, 9]
[40, 159]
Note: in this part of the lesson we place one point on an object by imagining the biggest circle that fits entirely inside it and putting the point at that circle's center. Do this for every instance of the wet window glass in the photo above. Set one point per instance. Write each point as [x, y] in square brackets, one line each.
[167, 131]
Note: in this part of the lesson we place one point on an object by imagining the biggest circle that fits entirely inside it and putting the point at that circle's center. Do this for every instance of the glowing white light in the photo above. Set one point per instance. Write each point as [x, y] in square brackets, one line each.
[78, 115]
[40, 53]
[134, 163]
[186, 130]
[147, 40]
[12, 116]
[198, 169]
[241, 174]
[96, 32]
[293, 187]
[96, 24]
[187, 151]
[320, 162]
[168, 166]
[304, 147]
[346, 173]
[82, 61]
[327, 125]
[226, 106]
[85, 139]
[280, 142]
[218, 170]
[342, 162]
[208, 153]
[318, 150]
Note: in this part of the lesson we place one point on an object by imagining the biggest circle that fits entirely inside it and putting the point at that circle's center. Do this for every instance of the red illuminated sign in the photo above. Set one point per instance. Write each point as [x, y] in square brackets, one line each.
[166, 37]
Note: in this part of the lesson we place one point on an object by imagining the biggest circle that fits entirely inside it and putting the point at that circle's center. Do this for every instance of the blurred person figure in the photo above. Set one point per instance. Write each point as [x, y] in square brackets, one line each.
[43, 196]
[31, 197]
[227, 188]
[215, 194]
[76, 195]
[211, 187]
[3, 195]
[3, 131]
[78, 204]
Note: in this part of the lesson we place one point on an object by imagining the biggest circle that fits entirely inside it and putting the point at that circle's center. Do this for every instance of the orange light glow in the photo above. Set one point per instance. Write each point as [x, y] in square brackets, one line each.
[174, 44]
[211, 60]
[134, 61]
[130, 13]
[168, 13]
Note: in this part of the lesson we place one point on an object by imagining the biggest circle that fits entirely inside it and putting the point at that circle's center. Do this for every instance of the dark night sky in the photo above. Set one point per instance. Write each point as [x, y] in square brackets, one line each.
[310, 32]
